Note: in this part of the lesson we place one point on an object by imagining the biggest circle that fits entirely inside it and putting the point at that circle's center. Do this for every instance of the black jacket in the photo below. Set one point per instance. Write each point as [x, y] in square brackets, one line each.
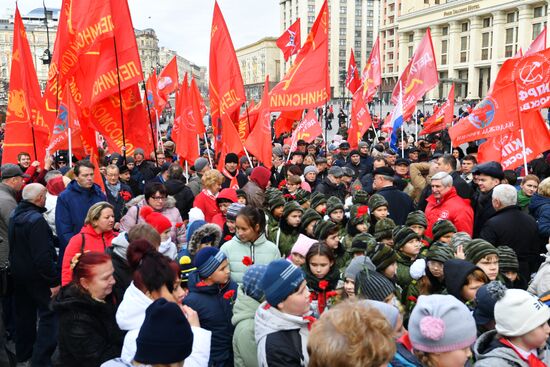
[183, 195]
[512, 227]
[329, 189]
[483, 210]
[241, 179]
[118, 202]
[399, 204]
[123, 275]
[463, 189]
[148, 170]
[32, 252]
[88, 332]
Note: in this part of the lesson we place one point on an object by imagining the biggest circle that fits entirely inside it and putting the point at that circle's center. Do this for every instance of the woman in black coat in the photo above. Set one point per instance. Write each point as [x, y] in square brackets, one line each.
[88, 332]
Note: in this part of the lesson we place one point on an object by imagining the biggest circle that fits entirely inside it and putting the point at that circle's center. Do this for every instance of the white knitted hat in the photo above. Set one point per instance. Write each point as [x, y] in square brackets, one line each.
[519, 312]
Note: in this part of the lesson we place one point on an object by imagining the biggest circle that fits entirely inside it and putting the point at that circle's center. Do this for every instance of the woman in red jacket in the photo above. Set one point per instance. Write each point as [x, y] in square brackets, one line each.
[206, 199]
[96, 235]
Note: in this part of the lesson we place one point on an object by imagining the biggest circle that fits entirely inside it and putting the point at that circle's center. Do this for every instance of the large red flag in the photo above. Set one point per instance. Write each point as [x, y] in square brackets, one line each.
[538, 44]
[25, 106]
[286, 120]
[197, 102]
[352, 78]
[168, 79]
[442, 116]
[259, 140]
[290, 42]
[419, 76]
[308, 129]
[372, 73]
[508, 148]
[186, 144]
[360, 120]
[306, 84]
[67, 120]
[496, 114]
[226, 85]
[153, 98]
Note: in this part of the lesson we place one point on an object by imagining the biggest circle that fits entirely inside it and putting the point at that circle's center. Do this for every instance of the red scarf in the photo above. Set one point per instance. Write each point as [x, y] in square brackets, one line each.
[533, 360]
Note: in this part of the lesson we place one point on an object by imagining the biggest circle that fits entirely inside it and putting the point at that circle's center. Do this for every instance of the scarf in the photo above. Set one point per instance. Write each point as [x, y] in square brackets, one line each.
[532, 360]
[113, 189]
[523, 200]
[322, 289]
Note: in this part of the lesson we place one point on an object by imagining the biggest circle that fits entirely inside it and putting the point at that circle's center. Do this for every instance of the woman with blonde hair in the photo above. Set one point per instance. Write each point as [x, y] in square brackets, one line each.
[539, 208]
[96, 235]
[206, 199]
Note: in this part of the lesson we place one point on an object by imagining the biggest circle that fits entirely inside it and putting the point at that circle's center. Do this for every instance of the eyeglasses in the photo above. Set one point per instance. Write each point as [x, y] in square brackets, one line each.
[158, 198]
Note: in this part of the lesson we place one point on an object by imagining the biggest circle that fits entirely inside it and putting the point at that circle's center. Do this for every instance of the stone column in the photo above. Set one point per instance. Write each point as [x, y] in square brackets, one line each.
[474, 56]
[499, 18]
[403, 51]
[453, 48]
[525, 29]
[436, 41]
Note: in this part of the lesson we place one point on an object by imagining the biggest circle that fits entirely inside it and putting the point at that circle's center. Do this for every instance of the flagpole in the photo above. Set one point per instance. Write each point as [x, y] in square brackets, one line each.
[402, 127]
[34, 142]
[120, 103]
[208, 150]
[199, 144]
[70, 134]
[248, 156]
[150, 121]
[186, 172]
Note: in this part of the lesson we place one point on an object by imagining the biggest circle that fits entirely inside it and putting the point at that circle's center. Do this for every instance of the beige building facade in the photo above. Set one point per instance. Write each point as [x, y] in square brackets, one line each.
[353, 24]
[471, 40]
[257, 60]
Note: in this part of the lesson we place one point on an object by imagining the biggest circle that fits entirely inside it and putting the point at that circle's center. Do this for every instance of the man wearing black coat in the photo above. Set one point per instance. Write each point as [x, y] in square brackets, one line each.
[175, 186]
[331, 185]
[447, 163]
[399, 203]
[509, 226]
[489, 176]
[36, 278]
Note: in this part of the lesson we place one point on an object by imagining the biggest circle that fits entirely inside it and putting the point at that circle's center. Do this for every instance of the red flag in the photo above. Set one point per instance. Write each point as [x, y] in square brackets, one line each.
[360, 120]
[352, 78]
[538, 44]
[419, 76]
[286, 120]
[308, 129]
[168, 79]
[508, 148]
[154, 99]
[372, 73]
[186, 144]
[259, 141]
[66, 119]
[197, 102]
[89, 140]
[25, 106]
[306, 84]
[226, 85]
[442, 116]
[290, 42]
[177, 112]
[494, 115]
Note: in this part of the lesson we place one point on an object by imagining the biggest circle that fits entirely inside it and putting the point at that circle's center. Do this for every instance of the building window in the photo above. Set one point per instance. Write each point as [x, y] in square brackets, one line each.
[369, 45]
[540, 11]
[342, 42]
[343, 31]
[370, 23]
[445, 31]
[486, 41]
[370, 13]
[311, 8]
[444, 51]
[411, 37]
[369, 34]
[537, 28]
[487, 22]
[510, 44]
[342, 64]
[390, 44]
[464, 47]
[342, 53]
[358, 47]
[310, 19]
[511, 17]
[410, 51]
[357, 34]
[358, 23]
[465, 27]
[390, 55]
[343, 10]
[343, 21]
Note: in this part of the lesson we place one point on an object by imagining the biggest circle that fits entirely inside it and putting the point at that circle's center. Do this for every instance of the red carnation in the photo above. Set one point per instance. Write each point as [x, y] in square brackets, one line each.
[179, 224]
[412, 298]
[229, 294]
[362, 210]
[331, 294]
[201, 284]
[247, 261]
[125, 195]
[227, 237]
[323, 284]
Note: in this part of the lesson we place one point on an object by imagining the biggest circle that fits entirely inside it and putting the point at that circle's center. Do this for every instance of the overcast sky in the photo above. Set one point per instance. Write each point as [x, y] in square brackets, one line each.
[184, 25]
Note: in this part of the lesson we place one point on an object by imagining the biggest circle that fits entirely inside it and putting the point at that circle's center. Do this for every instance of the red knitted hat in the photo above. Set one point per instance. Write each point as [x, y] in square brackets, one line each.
[155, 219]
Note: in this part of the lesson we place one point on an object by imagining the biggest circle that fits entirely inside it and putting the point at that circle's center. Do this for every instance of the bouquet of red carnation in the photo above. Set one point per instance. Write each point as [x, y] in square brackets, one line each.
[125, 195]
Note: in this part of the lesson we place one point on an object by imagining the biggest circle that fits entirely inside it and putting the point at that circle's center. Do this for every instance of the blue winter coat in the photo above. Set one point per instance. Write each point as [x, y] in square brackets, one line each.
[540, 209]
[215, 314]
[71, 209]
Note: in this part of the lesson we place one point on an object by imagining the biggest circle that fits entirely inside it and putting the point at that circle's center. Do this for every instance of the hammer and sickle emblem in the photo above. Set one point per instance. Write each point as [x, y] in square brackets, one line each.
[531, 73]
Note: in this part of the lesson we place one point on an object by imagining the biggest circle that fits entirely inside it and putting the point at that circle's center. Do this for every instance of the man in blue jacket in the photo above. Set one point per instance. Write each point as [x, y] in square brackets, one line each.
[73, 203]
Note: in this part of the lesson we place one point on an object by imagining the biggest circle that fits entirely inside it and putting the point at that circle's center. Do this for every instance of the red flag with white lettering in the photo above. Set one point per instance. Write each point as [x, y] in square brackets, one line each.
[360, 120]
[508, 148]
[372, 73]
[306, 84]
[419, 76]
[168, 79]
[444, 114]
[352, 78]
[259, 141]
[495, 115]
[308, 129]
[290, 42]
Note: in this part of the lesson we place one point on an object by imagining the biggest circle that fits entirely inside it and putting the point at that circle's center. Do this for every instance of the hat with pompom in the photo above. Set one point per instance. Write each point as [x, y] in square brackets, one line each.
[518, 312]
[486, 298]
[441, 323]
[155, 219]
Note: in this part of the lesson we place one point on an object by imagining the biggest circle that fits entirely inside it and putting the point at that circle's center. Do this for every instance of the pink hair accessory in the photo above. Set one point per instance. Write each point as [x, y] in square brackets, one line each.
[432, 327]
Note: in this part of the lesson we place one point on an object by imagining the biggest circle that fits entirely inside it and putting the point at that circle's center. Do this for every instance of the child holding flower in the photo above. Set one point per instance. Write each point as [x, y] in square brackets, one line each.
[322, 276]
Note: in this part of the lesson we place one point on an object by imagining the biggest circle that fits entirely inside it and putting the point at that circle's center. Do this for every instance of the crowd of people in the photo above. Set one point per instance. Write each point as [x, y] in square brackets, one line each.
[333, 257]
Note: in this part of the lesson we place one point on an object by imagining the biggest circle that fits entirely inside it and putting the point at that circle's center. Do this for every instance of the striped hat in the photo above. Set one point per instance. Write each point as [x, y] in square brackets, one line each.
[507, 259]
[207, 260]
[373, 285]
[280, 280]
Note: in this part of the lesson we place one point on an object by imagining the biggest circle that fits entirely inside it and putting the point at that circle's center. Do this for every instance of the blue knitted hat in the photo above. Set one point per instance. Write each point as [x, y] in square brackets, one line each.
[280, 280]
[207, 260]
[251, 281]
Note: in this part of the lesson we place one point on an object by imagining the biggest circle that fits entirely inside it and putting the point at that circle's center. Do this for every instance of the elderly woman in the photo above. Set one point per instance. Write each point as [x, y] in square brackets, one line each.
[528, 188]
[96, 235]
[540, 208]
[88, 332]
[156, 197]
[206, 199]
